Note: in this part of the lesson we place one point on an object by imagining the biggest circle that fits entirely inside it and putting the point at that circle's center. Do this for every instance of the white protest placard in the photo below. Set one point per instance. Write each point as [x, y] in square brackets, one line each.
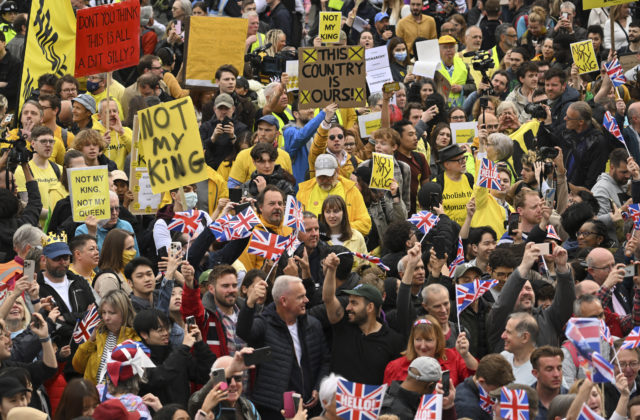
[291, 67]
[376, 58]
[369, 123]
[377, 78]
[425, 68]
[428, 50]
[462, 132]
[359, 24]
[146, 197]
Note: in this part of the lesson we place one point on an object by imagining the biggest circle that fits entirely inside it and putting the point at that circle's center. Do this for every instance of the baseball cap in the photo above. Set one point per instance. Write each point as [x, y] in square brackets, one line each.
[119, 175]
[26, 413]
[367, 291]
[86, 101]
[447, 39]
[425, 369]
[204, 276]
[270, 119]
[113, 409]
[326, 165]
[8, 7]
[463, 268]
[224, 99]
[56, 249]
[380, 16]
[10, 386]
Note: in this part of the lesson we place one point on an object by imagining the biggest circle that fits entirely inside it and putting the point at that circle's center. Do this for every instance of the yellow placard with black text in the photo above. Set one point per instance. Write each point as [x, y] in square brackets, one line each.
[584, 56]
[89, 193]
[381, 171]
[593, 4]
[329, 29]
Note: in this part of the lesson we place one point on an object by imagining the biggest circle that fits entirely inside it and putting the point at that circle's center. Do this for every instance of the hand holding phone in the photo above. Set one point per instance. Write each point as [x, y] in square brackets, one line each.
[445, 383]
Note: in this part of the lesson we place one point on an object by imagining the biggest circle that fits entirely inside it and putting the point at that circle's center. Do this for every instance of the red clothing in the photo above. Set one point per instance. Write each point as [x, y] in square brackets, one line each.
[148, 41]
[397, 369]
[207, 320]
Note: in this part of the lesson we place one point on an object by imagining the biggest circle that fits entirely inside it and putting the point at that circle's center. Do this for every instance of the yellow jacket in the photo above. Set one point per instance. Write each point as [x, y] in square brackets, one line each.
[251, 261]
[358, 214]
[488, 211]
[319, 146]
[243, 166]
[89, 354]
[217, 188]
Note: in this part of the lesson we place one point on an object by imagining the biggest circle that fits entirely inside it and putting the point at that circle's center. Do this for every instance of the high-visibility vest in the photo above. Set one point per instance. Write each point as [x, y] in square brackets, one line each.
[494, 55]
[259, 42]
[459, 77]
[289, 113]
[317, 111]
[9, 270]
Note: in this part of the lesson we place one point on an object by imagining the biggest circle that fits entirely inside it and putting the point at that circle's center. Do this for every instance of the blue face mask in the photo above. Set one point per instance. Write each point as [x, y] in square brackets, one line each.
[92, 86]
[400, 56]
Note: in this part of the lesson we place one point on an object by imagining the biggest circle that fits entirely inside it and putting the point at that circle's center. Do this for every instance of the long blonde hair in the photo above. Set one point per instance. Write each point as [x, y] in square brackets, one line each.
[272, 38]
[119, 301]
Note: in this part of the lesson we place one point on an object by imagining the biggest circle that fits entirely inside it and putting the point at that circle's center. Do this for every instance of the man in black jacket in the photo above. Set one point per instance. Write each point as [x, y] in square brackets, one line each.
[221, 132]
[300, 358]
[279, 17]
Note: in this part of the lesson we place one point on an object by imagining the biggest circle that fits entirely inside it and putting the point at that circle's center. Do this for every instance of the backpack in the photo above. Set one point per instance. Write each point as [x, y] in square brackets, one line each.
[440, 180]
[93, 284]
[55, 168]
[64, 134]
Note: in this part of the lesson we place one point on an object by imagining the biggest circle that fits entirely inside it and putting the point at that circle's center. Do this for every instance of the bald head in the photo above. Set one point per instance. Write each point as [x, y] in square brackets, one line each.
[222, 362]
[633, 113]
[587, 287]
[600, 262]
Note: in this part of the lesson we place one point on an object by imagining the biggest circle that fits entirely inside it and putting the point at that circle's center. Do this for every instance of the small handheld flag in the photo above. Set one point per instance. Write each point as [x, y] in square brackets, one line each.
[372, 259]
[85, 327]
[588, 414]
[610, 123]
[424, 221]
[293, 214]
[186, 221]
[430, 407]
[459, 257]
[355, 401]
[267, 245]
[514, 404]
[488, 175]
[631, 341]
[467, 293]
[615, 72]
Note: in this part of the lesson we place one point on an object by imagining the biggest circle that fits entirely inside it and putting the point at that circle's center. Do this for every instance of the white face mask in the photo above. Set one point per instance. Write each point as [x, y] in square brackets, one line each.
[191, 199]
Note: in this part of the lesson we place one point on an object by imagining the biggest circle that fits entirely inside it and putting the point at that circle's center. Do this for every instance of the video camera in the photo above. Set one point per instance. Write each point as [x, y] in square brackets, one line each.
[264, 67]
[482, 61]
[18, 152]
[537, 111]
[546, 155]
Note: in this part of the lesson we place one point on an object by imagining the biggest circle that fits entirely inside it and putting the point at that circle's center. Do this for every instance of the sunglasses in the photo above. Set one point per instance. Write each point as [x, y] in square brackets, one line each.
[237, 378]
[333, 137]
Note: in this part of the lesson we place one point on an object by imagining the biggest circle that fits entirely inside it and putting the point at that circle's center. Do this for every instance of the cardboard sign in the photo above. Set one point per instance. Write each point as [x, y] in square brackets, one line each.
[89, 192]
[592, 4]
[107, 38]
[628, 61]
[144, 200]
[369, 123]
[332, 74]
[382, 171]
[209, 43]
[462, 132]
[329, 27]
[171, 145]
[584, 56]
[291, 67]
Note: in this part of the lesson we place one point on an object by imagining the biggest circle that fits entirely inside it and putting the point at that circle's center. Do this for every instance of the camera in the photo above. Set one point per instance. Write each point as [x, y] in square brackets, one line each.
[482, 61]
[18, 152]
[546, 152]
[535, 110]
[263, 67]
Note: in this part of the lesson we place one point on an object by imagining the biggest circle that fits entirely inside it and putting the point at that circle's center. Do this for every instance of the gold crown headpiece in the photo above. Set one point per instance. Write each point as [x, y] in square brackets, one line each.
[54, 238]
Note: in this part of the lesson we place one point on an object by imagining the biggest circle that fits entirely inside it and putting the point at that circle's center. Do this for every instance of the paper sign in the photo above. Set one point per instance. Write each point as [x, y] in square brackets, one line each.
[628, 61]
[463, 131]
[336, 4]
[369, 123]
[377, 78]
[211, 42]
[428, 50]
[377, 58]
[332, 74]
[584, 56]
[382, 171]
[291, 67]
[144, 200]
[171, 144]
[107, 38]
[329, 27]
[359, 24]
[425, 68]
[592, 4]
[89, 192]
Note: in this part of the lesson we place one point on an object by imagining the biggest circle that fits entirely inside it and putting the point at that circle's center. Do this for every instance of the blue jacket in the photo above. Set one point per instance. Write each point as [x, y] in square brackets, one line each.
[102, 233]
[630, 138]
[467, 401]
[295, 143]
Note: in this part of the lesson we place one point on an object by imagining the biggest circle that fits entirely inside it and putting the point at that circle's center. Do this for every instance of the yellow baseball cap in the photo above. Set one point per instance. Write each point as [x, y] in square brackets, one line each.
[447, 39]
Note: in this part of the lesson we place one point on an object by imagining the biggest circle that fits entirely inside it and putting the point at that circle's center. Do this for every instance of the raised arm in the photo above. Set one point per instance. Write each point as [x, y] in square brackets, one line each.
[335, 311]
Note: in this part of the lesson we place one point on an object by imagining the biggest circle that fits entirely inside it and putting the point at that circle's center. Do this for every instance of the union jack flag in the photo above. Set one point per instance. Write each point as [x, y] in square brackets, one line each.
[186, 221]
[467, 293]
[241, 224]
[372, 259]
[552, 234]
[459, 257]
[634, 212]
[293, 244]
[356, 401]
[632, 341]
[488, 175]
[606, 333]
[603, 370]
[424, 221]
[588, 414]
[267, 245]
[485, 401]
[514, 404]
[85, 327]
[293, 214]
[221, 229]
[584, 334]
[612, 126]
[4, 288]
[615, 72]
[430, 407]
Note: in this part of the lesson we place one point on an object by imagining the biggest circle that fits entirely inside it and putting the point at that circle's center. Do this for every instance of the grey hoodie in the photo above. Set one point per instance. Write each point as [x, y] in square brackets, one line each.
[605, 189]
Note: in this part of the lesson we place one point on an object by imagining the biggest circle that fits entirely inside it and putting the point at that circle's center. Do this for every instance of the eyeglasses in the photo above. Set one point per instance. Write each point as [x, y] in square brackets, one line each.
[585, 233]
[632, 365]
[69, 90]
[606, 267]
[333, 137]
[156, 68]
[489, 126]
[460, 161]
[115, 209]
[458, 118]
[237, 378]
[47, 141]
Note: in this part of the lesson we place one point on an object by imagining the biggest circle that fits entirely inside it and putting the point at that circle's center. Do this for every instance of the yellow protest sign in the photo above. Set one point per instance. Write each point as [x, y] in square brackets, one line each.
[329, 29]
[171, 145]
[464, 132]
[381, 171]
[89, 192]
[584, 56]
[593, 4]
[211, 42]
[336, 4]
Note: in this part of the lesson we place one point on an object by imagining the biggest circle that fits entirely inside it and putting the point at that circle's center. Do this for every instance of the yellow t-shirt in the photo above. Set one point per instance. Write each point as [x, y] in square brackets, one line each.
[243, 166]
[51, 190]
[120, 145]
[57, 155]
[455, 196]
[116, 91]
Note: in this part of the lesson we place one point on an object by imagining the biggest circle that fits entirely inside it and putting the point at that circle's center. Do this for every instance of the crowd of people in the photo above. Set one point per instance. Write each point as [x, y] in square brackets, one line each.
[130, 318]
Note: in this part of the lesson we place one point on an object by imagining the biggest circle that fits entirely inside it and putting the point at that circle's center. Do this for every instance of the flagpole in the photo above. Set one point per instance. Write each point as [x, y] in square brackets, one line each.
[615, 356]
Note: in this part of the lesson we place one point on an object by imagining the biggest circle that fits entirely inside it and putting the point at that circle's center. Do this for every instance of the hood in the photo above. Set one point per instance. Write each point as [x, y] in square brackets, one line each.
[209, 302]
[569, 95]
[608, 181]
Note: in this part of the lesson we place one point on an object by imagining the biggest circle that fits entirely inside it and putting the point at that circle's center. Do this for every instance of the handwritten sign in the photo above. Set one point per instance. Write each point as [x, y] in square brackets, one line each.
[107, 38]
[369, 123]
[332, 74]
[464, 132]
[171, 145]
[584, 56]
[329, 29]
[89, 192]
[382, 171]
[291, 67]
[593, 4]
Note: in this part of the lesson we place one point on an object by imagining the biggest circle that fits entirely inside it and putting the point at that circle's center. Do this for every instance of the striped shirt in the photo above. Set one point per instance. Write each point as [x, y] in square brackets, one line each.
[109, 345]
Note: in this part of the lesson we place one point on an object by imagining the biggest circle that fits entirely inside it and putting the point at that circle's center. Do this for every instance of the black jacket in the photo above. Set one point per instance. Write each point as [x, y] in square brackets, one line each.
[587, 156]
[279, 18]
[404, 403]
[283, 373]
[215, 153]
[559, 109]
[467, 401]
[280, 178]
[29, 216]
[25, 346]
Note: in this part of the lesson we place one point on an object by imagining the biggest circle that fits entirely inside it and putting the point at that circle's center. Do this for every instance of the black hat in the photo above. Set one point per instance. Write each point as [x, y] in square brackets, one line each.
[450, 152]
[8, 6]
[10, 386]
[364, 172]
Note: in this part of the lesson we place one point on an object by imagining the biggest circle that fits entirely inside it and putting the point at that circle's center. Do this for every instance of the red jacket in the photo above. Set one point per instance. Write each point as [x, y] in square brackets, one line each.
[210, 325]
[452, 361]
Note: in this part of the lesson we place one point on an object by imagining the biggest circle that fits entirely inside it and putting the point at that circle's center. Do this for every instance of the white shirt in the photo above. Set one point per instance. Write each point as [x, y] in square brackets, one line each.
[62, 289]
[293, 330]
[522, 373]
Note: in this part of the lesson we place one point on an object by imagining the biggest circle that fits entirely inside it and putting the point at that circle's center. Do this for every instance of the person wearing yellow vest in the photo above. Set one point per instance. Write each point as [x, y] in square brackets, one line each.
[455, 71]
[277, 105]
[118, 139]
[270, 208]
[254, 39]
[243, 167]
[456, 183]
[25, 238]
[327, 181]
[473, 41]
[8, 13]
[506, 39]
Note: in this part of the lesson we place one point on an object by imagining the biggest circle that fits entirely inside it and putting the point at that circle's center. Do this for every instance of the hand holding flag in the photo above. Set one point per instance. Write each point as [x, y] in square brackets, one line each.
[488, 175]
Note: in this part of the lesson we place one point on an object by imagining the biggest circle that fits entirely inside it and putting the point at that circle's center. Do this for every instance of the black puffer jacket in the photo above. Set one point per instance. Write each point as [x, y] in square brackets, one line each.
[280, 178]
[282, 373]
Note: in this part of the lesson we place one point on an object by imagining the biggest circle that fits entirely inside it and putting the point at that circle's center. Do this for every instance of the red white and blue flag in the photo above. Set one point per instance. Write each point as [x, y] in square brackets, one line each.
[459, 258]
[355, 401]
[85, 327]
[430, 407]
[631, 341]
[372, 259]
[467, 293]
[552, 234]
[514, 404]
[424, 221]
[221, 229]
[267, 245]
[615, 72]
[488, 175]
[610, 123]
[584, 334]
[486, 402]
[242, 223]
[293, 244]
[588, 414]
[186, 221]
[634, 212]
[293, 214]
[606, 332]
[603, 370]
